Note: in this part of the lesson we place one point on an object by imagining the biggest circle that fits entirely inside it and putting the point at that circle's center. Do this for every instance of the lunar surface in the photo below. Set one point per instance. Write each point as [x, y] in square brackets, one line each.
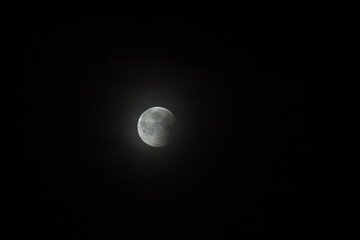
[154, 126]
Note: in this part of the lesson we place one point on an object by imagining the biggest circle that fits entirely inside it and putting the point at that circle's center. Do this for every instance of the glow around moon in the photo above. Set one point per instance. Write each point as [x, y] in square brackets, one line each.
[154, 126]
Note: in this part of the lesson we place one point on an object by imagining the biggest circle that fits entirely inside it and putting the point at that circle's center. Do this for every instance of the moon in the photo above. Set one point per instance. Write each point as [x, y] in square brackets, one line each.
[154, 126]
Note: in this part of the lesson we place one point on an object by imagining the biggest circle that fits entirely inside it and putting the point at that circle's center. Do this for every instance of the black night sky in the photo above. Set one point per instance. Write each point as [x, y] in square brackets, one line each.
[231, 170]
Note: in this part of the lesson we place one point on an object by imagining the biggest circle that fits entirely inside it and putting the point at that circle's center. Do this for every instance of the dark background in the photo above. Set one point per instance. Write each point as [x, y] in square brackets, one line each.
[231, 170]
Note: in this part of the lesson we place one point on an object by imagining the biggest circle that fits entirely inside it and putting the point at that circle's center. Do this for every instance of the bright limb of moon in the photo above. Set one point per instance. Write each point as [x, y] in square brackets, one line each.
[154, 126]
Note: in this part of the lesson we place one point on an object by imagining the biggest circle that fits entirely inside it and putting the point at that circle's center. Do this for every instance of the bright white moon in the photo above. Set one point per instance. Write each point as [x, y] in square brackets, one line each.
[154, 126]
